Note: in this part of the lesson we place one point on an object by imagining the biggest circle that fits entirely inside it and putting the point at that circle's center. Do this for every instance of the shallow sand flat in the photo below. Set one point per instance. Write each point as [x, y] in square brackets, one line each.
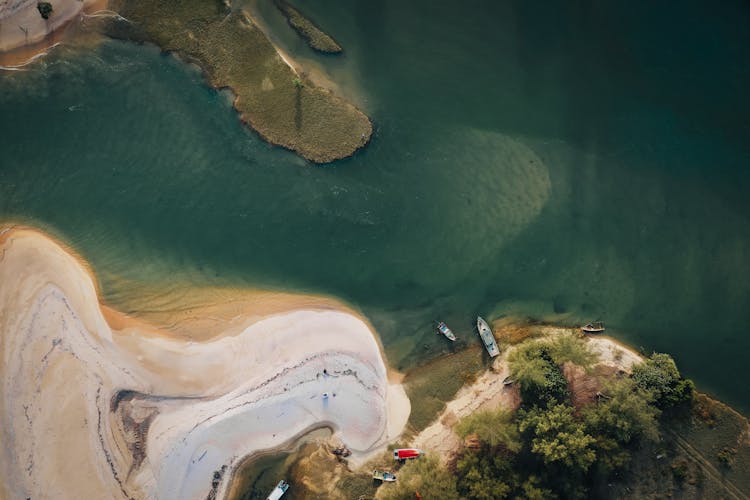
[191, 407]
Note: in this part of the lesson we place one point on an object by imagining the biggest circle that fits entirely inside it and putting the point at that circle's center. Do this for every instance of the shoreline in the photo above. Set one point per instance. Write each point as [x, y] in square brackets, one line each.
[488, 391]
[192, 406]
[35, 37]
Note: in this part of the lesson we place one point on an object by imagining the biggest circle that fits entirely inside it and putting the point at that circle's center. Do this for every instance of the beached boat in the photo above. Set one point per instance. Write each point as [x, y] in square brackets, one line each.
[443, 328]
[382, 475]
[278, 491]
[593, 327]
[406, 453]
[485, 332]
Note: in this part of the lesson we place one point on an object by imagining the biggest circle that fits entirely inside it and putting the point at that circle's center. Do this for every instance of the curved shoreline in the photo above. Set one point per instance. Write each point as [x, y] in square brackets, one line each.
[36, 36]
[191, 407]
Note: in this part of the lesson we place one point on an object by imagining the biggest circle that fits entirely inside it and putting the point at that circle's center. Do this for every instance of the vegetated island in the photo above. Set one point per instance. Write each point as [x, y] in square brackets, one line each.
[282, 106]
[315, 37]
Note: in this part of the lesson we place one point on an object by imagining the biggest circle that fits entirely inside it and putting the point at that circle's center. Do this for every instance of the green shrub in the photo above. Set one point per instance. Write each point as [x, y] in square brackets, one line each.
[45, 9]
[659, 375]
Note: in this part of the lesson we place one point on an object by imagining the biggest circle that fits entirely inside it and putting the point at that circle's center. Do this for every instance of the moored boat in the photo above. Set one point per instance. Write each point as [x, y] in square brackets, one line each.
[382, 475]
[406, 453]
[488, 339]
[278, 491]
[443, 328]
[593, 327]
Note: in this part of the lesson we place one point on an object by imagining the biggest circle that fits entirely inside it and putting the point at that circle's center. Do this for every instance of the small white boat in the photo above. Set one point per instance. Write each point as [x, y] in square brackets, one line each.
[485, 332]
[278, 491]
[443, 328]
[381, 475]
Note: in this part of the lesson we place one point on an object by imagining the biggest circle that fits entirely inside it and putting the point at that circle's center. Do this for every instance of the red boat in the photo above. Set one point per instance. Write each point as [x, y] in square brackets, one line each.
[406, 453]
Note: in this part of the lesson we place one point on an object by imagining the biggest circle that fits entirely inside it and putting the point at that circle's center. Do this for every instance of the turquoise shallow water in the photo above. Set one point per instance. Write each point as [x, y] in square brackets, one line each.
[570, 163]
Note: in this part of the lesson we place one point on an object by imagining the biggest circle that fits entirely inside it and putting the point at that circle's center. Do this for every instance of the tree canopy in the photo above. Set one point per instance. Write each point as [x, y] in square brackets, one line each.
[557, 437]
[493, 427]
[659, 375]
[424, 476]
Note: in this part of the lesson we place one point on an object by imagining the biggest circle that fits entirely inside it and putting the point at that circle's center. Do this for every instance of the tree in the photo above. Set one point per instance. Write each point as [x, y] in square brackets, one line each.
[532, 490]
[569, 347]
[45, 9]
[659, 375]
[624, 414]
[557, 438]
[483, 475]
[425, 476]
[493, 427]
[541, 381]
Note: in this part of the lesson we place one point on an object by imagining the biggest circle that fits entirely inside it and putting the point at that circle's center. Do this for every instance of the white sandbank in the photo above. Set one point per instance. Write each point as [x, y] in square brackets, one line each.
[194, 407]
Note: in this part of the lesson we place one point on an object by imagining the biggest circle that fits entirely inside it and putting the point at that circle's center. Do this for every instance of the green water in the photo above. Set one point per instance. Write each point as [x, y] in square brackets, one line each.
[562, 161]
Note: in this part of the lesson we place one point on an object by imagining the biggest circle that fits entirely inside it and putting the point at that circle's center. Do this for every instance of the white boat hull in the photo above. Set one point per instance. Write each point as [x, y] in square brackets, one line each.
[488, 339]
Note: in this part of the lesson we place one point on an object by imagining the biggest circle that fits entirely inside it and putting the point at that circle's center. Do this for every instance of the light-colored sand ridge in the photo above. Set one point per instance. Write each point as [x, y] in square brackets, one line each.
[144, 413]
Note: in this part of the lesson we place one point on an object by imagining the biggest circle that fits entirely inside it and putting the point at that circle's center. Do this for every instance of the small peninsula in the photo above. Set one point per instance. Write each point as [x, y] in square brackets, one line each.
[282, 106]
[316, 38]
[149, 413]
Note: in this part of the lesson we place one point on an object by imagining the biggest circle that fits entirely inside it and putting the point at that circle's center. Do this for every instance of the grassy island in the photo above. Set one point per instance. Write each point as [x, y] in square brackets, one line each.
[283, 107]
[314, 36]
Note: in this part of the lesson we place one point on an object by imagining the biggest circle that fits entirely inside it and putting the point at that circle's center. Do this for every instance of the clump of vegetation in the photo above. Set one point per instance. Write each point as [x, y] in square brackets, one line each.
[726, 456]
[314, 36]
[659, 375]
[680, 471]
[549, 449]
[493, 427]
[297, 82]
[535, 366]
[45, 9]
[557, 437]
[424, 476]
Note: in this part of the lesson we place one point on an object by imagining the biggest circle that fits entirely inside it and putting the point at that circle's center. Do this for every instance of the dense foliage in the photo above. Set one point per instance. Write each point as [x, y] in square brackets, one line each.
[424, 476]
[659, 375]
[45, 9]
[548, 448]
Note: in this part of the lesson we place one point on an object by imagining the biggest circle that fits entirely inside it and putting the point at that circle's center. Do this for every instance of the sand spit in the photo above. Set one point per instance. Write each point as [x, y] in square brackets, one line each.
[488, 392]
[102, 413]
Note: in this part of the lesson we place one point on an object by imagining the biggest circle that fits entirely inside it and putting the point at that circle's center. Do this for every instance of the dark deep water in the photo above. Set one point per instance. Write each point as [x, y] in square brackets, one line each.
[566, 161]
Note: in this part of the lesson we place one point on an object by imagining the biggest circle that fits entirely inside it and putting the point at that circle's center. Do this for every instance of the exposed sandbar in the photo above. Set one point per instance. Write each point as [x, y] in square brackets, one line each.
[148, 413]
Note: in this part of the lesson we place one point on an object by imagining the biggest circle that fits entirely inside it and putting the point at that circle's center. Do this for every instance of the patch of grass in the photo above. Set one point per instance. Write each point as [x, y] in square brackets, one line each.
[314, 36]
[431, 386]
[235, 53]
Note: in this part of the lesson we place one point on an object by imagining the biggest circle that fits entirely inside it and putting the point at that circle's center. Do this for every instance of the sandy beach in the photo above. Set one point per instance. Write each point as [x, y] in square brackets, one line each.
[21, 23]
[152, 413]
